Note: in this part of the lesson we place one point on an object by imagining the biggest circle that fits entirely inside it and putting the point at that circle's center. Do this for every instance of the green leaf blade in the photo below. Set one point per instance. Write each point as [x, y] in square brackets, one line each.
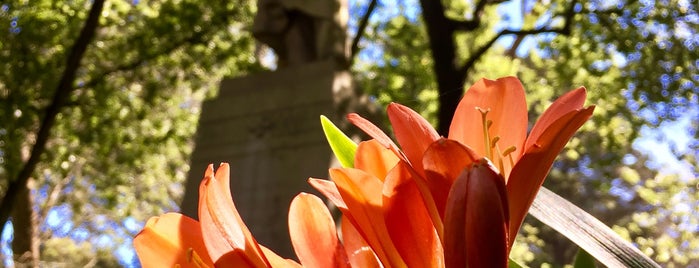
[514, 264]
[342, 146]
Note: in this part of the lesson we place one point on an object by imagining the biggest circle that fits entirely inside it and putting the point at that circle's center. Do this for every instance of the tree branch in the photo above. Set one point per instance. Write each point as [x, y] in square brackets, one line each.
[479, 8]
[51, 200]
[470, 25]
[481, 51]
[61, 95]
[195, 39]
[565, 30]
[354, 48]
[512, 52]
[464, 25]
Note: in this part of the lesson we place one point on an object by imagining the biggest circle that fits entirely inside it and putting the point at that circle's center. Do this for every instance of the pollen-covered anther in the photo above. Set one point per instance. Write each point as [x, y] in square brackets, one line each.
[494, 142]
[509, 150]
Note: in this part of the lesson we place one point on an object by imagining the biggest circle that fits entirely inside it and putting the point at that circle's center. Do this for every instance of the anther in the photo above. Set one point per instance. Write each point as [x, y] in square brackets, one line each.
[509, 150]
[494, 142]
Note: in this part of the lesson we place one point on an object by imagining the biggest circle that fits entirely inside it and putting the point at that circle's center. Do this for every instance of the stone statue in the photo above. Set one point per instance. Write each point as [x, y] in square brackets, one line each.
[303, 31]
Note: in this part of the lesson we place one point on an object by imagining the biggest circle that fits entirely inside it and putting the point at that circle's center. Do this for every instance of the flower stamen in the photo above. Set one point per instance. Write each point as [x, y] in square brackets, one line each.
[508, 152]
[494, 145]
[492, 148]
[193, 257]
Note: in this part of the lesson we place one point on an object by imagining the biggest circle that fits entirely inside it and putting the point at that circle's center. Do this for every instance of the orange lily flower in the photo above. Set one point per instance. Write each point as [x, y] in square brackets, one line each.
[221, 239]
[435, 202]
[385, 209]
[490, 122]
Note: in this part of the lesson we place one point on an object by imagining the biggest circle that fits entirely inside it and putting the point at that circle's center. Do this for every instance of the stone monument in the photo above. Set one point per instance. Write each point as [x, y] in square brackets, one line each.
[303, 31]
[267, 125]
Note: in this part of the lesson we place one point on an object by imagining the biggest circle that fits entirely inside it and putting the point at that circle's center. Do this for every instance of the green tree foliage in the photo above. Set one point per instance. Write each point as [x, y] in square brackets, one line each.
[121, 142]
[639, 62]
[81, 254]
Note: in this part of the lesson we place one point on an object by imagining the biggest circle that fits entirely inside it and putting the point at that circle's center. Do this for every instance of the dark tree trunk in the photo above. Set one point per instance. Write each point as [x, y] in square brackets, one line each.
[25, 245]
[10, 201]
[440, 31]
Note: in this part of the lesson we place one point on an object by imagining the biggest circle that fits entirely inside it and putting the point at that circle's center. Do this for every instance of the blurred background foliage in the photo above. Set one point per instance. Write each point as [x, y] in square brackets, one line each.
[119, 150]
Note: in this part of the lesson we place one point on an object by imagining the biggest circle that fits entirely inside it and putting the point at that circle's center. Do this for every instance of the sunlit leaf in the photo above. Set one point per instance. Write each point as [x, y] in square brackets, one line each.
[343, 147]
[514, 264]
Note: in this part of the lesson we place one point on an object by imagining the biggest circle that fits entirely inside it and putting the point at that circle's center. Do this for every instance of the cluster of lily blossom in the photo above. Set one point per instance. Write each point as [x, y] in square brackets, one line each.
[432, 202]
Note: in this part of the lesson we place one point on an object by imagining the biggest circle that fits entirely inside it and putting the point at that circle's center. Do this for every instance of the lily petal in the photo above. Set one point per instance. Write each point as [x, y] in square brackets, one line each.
[166, 241]
[222, 227]
[313, 233]
[443, 162]
[408, 221]
[359, 252]
[362, 193]
[276, 260]
[239, 259]
[375, 132]
[413, 133]
[530, 171]
[234, 258]
[476, 220]
[505, 100]
[329, 190]
[571, 101]
[375, 159]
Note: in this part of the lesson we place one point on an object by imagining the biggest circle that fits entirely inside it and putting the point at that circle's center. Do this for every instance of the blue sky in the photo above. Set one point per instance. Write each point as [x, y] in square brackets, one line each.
[656, 143]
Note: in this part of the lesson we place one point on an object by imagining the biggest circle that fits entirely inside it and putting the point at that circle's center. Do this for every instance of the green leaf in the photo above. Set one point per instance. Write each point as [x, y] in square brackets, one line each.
[584, 260]
[587, 232]
[343, 147]
[514, 264]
